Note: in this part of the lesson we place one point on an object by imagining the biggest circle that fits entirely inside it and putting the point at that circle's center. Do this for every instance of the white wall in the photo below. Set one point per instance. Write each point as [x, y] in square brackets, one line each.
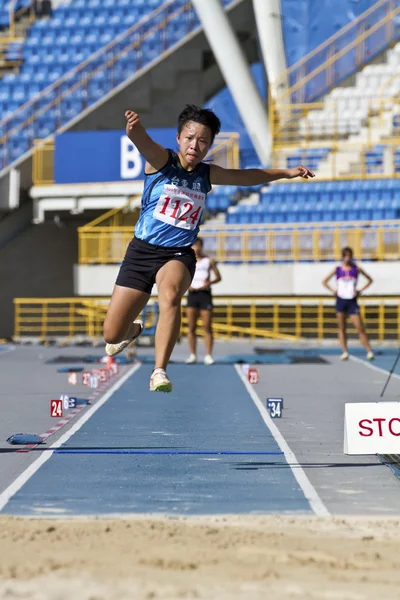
[283, 279]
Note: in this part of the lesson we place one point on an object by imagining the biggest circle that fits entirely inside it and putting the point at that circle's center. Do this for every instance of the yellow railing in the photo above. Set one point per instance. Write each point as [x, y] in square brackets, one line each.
[249, 317]
[64, 317]
[43, 163]
[340, 55]
[225, 153]
[13, 14]
[5, 60]
[298, 129]
[262, 243]
[322, 124]
[302, 242]
[107, 236]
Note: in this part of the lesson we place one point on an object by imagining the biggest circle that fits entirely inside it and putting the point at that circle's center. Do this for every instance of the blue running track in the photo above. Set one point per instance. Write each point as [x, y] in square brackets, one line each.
[139, 454]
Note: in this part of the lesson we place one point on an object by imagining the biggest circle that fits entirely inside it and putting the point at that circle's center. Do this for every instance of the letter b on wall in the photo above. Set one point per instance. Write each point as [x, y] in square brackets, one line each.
[131, 161]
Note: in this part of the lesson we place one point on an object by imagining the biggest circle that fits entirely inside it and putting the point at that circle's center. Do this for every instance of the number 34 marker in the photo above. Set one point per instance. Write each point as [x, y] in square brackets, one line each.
[275, 407]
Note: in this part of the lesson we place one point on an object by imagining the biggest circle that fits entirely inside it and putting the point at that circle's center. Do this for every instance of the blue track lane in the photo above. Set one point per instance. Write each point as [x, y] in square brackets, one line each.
[209, 410]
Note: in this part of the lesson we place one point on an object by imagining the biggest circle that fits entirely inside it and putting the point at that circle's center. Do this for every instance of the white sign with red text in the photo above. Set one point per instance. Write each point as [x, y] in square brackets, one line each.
[372, 428]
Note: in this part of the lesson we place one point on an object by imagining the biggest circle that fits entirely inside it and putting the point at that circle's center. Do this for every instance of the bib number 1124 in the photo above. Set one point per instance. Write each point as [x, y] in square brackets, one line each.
[187, 214]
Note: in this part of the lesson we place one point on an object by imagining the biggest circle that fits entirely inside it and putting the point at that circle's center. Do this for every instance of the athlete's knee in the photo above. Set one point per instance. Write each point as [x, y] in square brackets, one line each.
[111, 334]
[192, 329]
[207, 329]
[170, 298]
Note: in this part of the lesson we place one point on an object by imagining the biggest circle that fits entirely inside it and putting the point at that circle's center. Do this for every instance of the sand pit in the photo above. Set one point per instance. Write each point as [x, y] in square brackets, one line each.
[219, 558]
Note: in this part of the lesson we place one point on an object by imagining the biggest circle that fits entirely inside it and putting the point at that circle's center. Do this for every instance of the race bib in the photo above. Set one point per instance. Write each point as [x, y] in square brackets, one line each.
[179, 206]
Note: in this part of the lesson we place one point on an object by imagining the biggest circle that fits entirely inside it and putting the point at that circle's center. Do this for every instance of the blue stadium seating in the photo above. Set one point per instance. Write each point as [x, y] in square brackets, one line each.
[367, 200]
[374, 159]
[311, 156]
[54, 46]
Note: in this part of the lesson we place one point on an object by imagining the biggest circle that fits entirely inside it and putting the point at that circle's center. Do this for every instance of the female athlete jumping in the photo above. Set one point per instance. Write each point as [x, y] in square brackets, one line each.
[346, 300]
[175, 190]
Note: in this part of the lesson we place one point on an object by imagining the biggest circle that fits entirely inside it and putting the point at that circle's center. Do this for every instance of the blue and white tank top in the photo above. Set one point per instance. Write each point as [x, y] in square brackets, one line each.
[172, 204]
[346, 280]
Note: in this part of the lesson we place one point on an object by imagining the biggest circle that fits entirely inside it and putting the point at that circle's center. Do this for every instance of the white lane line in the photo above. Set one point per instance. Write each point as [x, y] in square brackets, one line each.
[308, 489]
[374, 367]
[35, 466]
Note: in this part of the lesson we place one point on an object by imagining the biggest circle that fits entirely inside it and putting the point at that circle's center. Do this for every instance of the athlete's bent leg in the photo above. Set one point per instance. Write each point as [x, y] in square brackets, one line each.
[173, 280]
[125, 305]
[341, 318]
[206, 316]
[192, 315]
[359, 327]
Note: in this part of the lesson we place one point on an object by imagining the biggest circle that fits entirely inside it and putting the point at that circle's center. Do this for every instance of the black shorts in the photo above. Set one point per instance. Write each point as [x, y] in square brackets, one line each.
[201, 299]
[142, 262]
[348, 306]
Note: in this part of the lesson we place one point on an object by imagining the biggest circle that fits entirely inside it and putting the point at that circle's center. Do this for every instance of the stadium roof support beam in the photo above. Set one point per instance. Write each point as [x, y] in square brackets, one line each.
[269, 26]
[236, 72]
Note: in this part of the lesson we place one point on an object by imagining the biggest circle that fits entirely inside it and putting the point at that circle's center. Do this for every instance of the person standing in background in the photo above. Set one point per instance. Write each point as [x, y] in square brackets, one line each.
[200, 302]
[346, 300]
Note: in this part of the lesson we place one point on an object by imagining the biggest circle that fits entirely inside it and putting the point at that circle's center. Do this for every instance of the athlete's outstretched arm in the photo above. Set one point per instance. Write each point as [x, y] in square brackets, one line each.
[325, 282]
[243, 177]
[155, 155]
[367, 277]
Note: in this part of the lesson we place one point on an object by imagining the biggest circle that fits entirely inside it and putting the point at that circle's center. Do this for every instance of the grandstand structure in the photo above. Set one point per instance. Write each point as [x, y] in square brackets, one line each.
[67, 79]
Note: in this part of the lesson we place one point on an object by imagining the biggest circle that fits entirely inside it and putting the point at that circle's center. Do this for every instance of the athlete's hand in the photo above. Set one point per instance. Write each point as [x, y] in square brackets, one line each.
[132, 119]
[299, 172]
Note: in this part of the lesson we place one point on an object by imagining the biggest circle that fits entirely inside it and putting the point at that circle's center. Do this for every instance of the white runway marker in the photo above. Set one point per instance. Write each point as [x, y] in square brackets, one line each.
[35, 466]
[373, 367]
[306, 486]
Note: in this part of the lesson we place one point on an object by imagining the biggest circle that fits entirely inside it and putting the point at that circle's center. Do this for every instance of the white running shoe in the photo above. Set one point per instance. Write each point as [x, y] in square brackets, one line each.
[208, 360]
[114, 349]
[159, 381]
[191, 360]
[344, 356]
[370, 356]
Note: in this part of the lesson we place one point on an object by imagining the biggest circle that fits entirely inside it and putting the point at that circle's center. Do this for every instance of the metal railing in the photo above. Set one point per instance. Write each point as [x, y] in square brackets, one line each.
[315, 242]
[14, 13]
[239, 317]
[7, 58]
[106, 68]
[43, 163]
[108, 235]
[46, 318]
[340, 55]
[225, 153]
[303, 129]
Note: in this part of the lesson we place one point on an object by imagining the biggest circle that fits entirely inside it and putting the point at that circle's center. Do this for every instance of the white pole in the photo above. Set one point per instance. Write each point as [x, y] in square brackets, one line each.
[269, 27]
[236, 73]
[13, 195]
